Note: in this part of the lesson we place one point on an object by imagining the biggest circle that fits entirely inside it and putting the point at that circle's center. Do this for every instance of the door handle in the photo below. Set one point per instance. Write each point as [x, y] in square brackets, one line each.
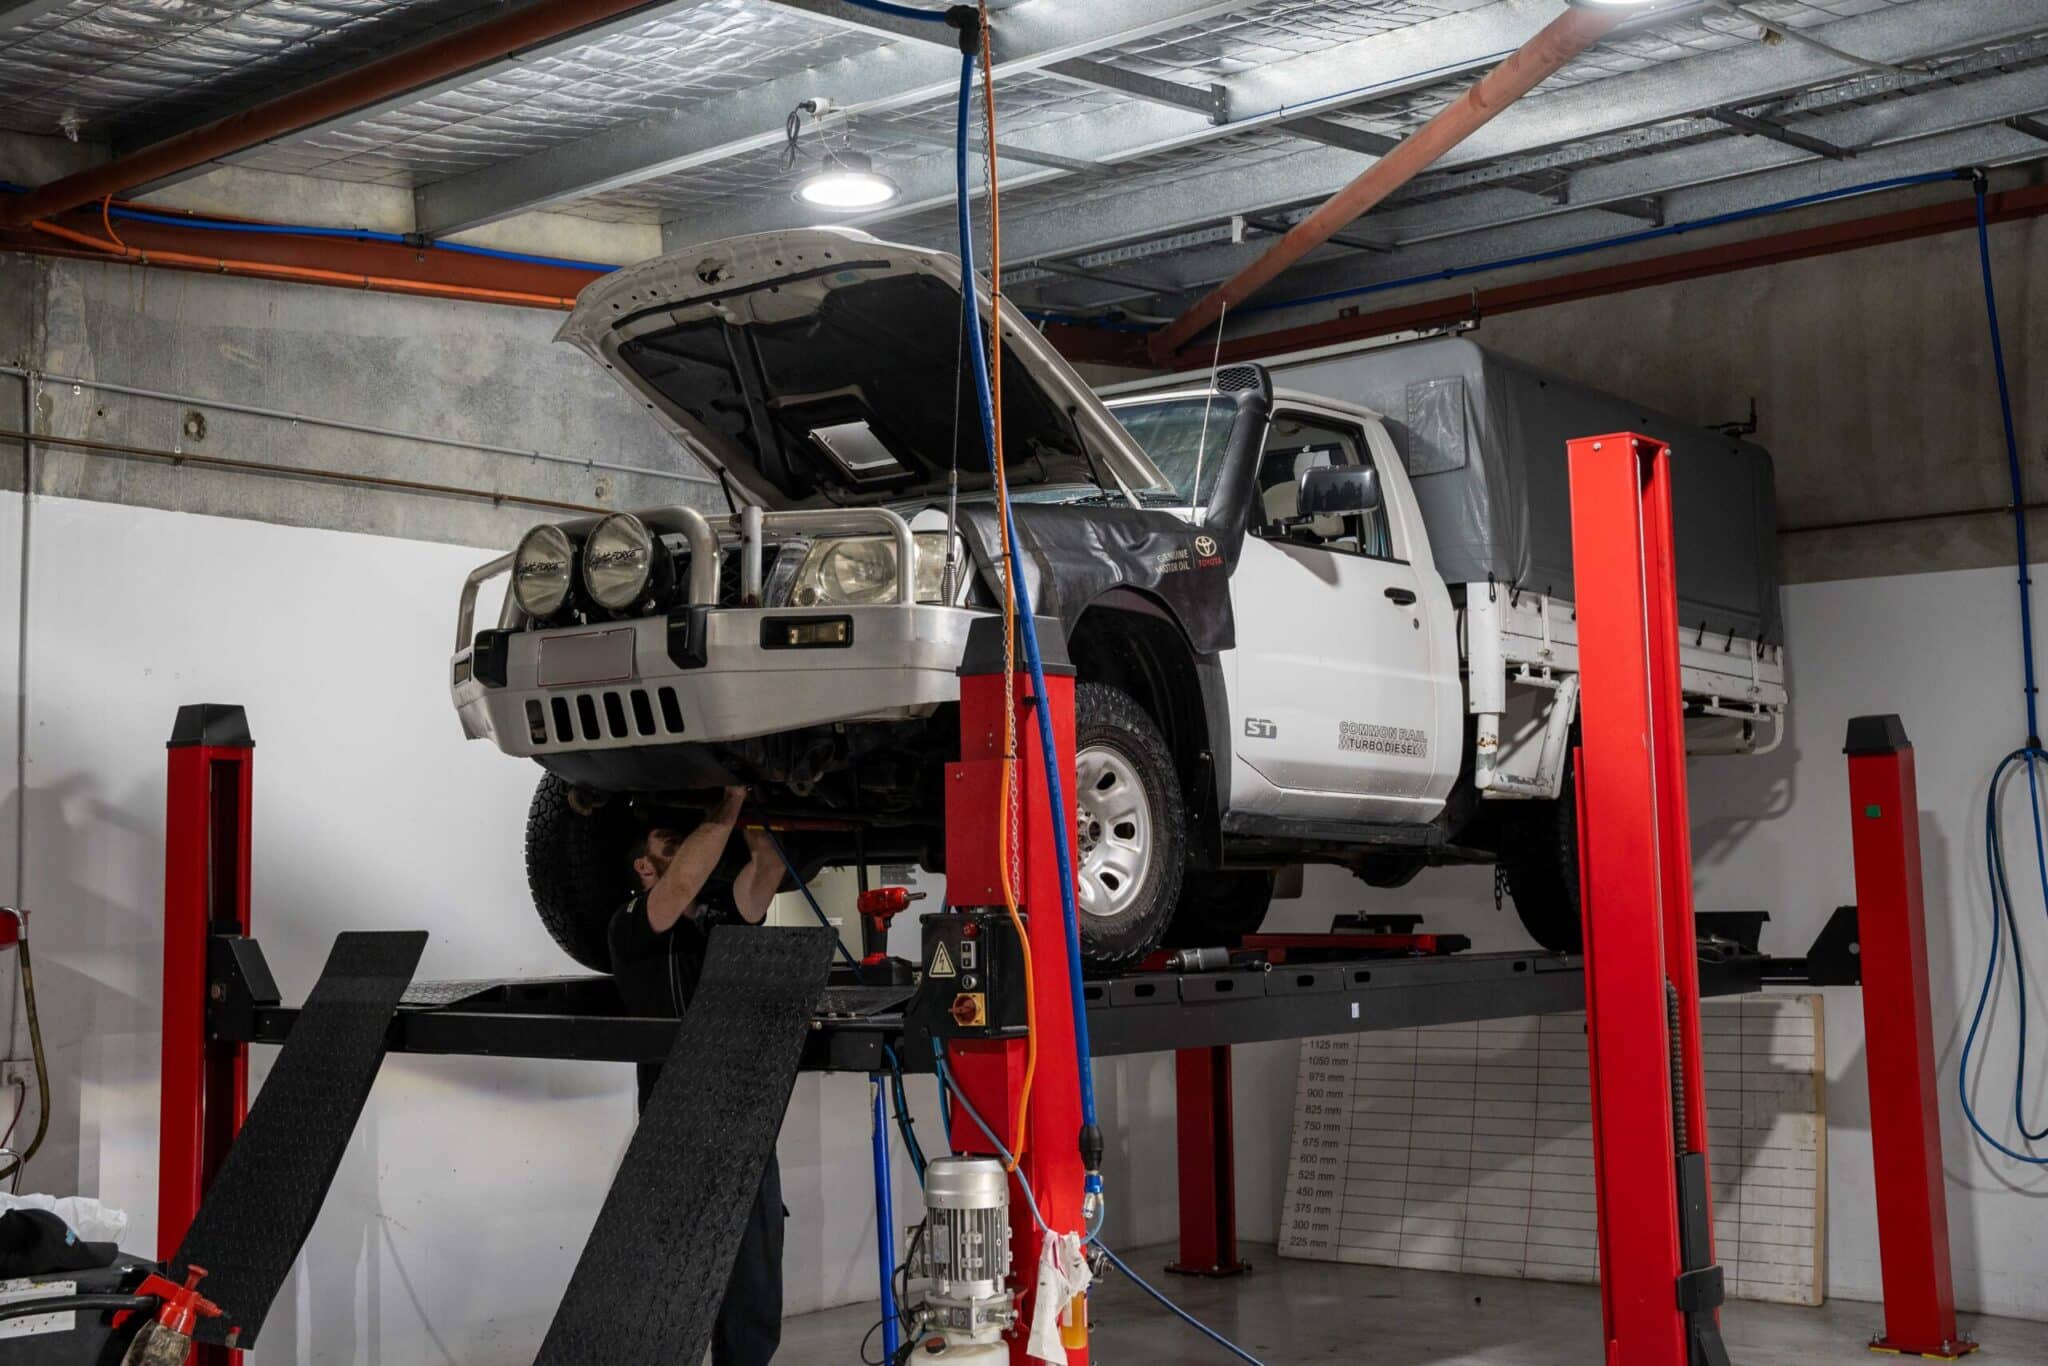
[1405, 597]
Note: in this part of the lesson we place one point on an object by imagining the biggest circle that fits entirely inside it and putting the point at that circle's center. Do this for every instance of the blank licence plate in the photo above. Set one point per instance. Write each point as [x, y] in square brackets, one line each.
[593, 657]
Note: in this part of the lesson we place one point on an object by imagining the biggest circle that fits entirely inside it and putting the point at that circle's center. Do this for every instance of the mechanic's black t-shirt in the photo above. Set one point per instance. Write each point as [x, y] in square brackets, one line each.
[657, 972]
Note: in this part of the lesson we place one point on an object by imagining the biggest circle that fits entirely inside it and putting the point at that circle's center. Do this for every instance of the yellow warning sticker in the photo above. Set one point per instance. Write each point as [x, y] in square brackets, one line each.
[942, 962]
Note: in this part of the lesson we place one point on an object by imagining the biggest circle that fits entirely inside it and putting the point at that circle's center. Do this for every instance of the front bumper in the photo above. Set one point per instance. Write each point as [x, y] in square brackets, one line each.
[899, 664]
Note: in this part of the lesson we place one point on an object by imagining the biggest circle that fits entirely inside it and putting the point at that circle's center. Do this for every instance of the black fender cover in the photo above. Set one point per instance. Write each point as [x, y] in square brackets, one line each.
[1072, 555]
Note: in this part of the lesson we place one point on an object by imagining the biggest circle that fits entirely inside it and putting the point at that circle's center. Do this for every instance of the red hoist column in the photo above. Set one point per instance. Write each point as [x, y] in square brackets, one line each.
[206, 889]
[1898, 1027]
[1659, 1287]
[991, 1071]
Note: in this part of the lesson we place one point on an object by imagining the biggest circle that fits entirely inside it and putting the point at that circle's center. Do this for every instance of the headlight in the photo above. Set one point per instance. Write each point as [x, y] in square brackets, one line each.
[618, 562]
[542, 568]
[860, 571]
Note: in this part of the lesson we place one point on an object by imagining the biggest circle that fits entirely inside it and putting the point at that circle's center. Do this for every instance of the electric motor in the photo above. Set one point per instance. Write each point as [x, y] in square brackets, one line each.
[967, 1235]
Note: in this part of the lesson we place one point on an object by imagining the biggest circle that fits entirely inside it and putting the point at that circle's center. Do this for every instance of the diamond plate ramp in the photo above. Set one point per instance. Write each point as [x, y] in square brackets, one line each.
[648, 1285]
[261, 1206]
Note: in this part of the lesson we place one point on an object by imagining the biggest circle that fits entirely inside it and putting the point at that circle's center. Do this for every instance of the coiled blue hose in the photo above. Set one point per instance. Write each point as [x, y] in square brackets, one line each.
[2031, 754]
[1026, 623]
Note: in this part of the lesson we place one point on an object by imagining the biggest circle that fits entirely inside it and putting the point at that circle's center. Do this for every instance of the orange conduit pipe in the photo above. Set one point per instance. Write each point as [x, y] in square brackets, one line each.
[267, 270]
[328, 99]
[1564, 38]
[1008, 820]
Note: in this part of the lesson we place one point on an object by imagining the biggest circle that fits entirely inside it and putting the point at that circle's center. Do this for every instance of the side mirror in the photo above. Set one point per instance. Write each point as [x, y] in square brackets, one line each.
[1337, 491]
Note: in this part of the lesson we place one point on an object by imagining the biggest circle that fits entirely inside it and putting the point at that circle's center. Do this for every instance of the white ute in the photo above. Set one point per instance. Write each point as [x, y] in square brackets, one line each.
[1328, 621]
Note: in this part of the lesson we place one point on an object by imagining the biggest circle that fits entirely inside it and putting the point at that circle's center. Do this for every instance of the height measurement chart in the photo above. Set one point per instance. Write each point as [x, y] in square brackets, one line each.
[1469, 1148]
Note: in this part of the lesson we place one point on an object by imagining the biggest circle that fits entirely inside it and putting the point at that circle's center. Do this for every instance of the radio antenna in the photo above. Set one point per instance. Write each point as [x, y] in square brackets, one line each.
[1197, 509]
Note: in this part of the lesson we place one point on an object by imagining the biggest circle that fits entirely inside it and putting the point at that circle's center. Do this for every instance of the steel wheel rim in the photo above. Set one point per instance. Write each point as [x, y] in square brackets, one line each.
[1113, 826]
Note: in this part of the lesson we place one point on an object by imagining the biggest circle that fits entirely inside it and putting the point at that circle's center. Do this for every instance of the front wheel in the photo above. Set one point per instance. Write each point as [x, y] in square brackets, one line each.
[577, 867]
[1130, 826]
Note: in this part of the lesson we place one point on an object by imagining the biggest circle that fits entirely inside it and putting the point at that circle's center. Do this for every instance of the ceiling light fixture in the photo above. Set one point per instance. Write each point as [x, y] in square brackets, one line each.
[847, 183]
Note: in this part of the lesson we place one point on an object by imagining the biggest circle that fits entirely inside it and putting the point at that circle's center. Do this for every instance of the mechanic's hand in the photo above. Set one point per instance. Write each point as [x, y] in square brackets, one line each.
[728, 812]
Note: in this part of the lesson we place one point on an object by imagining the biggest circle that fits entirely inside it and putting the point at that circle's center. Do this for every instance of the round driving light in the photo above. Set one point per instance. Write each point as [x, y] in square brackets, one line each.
[543, 567]
[618, 561]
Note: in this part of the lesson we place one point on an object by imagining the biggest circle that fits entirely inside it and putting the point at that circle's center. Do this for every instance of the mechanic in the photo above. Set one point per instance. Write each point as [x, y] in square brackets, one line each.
[658, 940]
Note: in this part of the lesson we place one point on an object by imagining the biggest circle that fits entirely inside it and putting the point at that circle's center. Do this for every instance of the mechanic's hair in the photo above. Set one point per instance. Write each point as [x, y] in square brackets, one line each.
[637, 848]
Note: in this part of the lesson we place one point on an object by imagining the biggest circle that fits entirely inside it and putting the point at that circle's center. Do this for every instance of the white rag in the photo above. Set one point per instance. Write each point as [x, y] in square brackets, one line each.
[1062, 1274]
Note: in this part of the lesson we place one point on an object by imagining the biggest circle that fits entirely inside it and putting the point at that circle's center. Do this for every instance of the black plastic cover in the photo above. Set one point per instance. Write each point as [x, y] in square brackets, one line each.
[218, 724]
[1884, 734]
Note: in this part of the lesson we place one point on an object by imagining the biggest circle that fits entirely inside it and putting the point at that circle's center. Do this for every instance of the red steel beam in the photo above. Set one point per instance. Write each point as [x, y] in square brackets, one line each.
[394, 75]
[1205, 1126]
[382, 267]
[1562, 39]
[205, 1086]
[1898, 1025]
[1636, 881]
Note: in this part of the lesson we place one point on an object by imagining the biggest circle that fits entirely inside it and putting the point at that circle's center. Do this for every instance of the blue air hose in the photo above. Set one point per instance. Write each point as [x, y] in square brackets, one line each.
[1091, 1133]
[2003, 917]
[895, 11]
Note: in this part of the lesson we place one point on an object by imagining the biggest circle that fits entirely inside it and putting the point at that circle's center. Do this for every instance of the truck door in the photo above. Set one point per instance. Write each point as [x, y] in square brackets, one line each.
[1340, 676]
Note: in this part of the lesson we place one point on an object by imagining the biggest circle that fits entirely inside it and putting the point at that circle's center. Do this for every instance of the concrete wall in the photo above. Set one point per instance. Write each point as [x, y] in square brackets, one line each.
[1873, 380]
[459, 372]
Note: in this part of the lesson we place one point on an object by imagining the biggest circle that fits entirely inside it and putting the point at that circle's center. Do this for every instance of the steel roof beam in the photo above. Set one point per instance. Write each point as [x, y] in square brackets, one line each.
[1331, 133]
[1031, 36]
[1747, 75]
[1947, 127]
[161, 129]
[1368, 68]
[1753, 126]
[2032, 127]
[1993, 145]
[1212, 101]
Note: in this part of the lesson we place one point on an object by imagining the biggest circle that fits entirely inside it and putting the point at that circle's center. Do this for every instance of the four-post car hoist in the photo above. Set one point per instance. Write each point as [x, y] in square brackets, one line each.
[1640, 983]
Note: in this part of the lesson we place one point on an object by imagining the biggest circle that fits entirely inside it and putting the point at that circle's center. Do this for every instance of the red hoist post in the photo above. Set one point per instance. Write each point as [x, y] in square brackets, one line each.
[1659, 1287]
[206, 890]
[1207, 1146]
[991, 1071]
[1898, 1029]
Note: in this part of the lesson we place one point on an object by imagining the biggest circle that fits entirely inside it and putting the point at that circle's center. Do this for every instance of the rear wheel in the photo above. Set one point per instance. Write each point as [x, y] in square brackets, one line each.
[576, 868]
[1539, 851]
[1131, 828]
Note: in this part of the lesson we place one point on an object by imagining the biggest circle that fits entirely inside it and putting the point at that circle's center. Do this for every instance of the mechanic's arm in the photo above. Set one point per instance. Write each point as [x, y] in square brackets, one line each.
[696, 858]
[761, 879]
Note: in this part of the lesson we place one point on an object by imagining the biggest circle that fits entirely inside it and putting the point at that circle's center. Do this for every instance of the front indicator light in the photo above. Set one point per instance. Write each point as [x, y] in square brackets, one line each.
[806, 633]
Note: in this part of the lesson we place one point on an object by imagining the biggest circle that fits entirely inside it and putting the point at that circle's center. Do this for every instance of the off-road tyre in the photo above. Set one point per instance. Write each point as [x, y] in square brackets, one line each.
[576, 867]
[1539, 852]
[1109, 718]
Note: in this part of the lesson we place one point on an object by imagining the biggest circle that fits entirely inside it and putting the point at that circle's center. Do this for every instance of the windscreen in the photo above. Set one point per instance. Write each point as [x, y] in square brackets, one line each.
[1173, 430]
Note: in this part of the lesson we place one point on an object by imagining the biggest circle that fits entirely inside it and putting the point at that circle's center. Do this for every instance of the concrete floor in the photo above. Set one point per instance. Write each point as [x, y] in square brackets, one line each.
[1297, 1312]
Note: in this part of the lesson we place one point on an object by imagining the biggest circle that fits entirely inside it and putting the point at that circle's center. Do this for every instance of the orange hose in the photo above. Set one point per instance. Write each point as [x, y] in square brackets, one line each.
[1009, 818]
[265, 270]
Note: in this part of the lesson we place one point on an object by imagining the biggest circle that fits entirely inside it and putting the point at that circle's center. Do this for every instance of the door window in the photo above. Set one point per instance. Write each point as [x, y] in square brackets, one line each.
[1295, 444]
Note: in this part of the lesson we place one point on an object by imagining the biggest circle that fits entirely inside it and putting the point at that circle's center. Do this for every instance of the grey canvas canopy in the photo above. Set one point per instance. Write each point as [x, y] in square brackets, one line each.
[1483, 439]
